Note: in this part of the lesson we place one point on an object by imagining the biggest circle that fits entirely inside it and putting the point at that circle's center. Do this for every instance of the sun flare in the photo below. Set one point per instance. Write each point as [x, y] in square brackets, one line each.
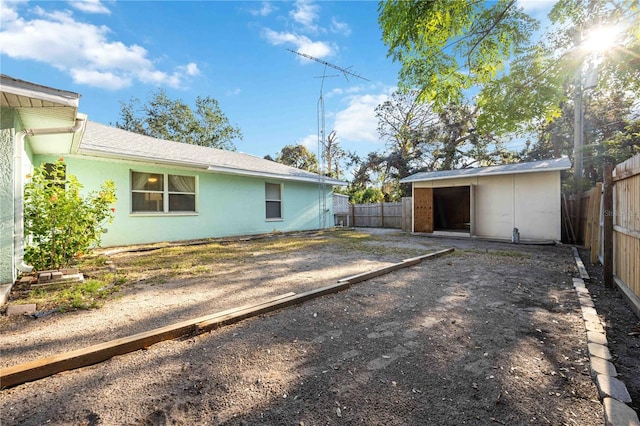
[601, 39]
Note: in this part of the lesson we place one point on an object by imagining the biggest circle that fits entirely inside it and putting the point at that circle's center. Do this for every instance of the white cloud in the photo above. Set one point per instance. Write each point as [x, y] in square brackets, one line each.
[234, 92]
[99, 79]
[303, 44]
[305, 14]
[265, 9]
[340, 27]
[90, 6]
[84, 51]
[190, 69]
[357, 122]
[8, 10]
[310, 142]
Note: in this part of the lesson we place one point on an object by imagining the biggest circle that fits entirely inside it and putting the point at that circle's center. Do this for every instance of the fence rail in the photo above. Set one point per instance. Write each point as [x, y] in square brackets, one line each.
[377, 215]
[626, 223]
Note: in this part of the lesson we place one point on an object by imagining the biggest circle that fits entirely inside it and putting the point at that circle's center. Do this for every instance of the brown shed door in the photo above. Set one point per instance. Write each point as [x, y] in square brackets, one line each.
[423, 210]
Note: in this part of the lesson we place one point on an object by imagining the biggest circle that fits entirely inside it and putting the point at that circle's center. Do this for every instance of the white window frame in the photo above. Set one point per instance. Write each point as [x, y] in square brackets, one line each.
[165, 195]
[273, 200]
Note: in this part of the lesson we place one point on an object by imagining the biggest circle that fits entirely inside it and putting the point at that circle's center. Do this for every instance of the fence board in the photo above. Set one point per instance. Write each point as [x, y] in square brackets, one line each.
[377, 215]
[626, 222]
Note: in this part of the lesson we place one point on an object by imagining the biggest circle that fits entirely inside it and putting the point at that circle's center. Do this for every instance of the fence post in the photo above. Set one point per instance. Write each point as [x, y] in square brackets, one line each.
[608, 225]
[595, 220]
[382, 214]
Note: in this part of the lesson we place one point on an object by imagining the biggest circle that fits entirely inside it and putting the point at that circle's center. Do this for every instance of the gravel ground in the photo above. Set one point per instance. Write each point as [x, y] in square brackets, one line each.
[491, 334]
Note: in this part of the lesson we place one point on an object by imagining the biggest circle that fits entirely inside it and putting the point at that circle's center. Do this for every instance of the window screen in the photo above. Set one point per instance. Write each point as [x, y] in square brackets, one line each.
[273, 199]
[150, 190]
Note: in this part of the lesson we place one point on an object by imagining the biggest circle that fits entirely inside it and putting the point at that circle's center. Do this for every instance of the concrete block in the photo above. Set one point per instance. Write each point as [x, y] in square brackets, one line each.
[586, 301]
[602, 366]
[611, 387]
[27, 279]
[69, 271]
[44, 277]
[591, 318]
[594, 326]
[595, 337]
[618, 414]
[56, 275]
[21, 309]
[600, 351]
[582, 291]
[587, 310]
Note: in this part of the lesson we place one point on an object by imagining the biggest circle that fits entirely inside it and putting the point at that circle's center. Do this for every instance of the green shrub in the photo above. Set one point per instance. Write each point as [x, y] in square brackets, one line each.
[59, 222]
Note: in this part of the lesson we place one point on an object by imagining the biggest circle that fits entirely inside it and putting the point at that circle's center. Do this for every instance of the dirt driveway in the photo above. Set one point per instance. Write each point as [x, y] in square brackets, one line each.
[491, 334]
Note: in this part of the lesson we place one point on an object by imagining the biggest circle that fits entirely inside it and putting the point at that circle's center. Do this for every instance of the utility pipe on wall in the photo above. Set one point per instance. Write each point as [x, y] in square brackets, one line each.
[18, 185]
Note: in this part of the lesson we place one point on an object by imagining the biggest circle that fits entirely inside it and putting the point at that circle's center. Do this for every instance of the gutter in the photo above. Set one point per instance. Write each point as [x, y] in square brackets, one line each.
[270, 175]
[18, 186]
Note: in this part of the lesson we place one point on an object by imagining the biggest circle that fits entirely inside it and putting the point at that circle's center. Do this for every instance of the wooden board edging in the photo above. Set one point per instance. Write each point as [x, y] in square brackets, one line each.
[40, 368]
[386, 269]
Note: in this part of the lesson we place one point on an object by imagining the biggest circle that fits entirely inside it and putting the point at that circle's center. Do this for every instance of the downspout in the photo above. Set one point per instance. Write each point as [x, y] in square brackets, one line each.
[18, 187]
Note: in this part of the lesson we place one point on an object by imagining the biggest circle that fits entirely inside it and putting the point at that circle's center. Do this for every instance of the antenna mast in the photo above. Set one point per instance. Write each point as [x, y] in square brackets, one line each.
[322, 188]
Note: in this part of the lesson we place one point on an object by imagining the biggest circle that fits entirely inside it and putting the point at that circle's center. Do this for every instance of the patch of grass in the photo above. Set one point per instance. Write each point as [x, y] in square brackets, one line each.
[71, 296]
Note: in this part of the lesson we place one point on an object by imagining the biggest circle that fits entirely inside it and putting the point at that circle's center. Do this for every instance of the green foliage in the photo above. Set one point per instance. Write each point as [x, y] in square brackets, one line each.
[448, 46]
[298, 156]
[369, 195]
[164, 118]
[59, 222]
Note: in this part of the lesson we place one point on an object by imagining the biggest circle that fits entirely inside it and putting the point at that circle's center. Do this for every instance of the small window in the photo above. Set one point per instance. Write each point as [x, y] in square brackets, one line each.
[162, 193]
[273, 197]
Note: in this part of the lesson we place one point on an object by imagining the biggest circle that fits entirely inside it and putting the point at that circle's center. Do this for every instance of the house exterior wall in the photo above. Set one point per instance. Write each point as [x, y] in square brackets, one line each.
[227, 205]
[7, 132]
[527, 201]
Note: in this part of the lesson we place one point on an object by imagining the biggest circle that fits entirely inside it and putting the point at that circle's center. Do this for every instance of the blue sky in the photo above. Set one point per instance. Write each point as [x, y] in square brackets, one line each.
[233, 51]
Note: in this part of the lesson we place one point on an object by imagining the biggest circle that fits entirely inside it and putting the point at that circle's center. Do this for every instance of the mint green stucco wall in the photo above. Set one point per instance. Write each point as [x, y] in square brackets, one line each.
[7, 132]
[227, 205]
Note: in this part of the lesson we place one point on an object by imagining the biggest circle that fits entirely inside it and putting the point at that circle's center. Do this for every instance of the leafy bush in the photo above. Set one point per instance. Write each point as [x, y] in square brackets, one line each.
[59, 222]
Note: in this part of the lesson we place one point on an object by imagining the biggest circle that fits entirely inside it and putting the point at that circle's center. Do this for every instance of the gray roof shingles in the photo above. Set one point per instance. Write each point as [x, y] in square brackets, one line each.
[106, 141]
[530, 167]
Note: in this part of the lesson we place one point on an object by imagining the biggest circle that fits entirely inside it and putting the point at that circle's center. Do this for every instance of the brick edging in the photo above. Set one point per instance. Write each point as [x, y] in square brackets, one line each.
[612, 391]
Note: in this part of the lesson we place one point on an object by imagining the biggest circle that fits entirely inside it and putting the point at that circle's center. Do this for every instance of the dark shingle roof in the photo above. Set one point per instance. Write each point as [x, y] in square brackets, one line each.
[107, 141]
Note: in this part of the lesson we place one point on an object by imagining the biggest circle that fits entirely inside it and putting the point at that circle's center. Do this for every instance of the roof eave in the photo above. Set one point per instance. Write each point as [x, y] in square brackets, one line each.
[252, 173]
[475, 175]
[35, 91]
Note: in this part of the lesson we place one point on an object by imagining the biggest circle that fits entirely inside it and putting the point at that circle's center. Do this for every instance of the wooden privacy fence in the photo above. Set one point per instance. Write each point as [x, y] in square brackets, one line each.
[625, 215]
[626, 223]
[382, 215]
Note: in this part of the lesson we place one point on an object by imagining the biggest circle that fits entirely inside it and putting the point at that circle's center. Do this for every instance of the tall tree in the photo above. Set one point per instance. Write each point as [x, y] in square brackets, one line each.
[165, 118]
[298, 156]
[448, 46]
[334, 155]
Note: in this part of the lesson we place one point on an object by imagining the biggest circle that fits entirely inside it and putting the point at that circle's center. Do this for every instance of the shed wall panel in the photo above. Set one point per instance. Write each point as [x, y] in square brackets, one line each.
[528, 201]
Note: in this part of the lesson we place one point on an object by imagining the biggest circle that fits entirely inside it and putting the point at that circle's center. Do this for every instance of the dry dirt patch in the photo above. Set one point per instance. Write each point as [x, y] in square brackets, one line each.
[490, 334]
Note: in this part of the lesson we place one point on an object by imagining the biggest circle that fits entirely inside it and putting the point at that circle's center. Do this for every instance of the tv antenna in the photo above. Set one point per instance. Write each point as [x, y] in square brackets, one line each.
[322, 190]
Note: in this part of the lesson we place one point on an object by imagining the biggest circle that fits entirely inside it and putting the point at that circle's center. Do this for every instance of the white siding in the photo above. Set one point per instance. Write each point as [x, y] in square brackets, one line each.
[527, 201]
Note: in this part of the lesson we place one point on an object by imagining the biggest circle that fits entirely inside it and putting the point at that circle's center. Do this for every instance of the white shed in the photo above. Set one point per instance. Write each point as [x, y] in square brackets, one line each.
[491, 201]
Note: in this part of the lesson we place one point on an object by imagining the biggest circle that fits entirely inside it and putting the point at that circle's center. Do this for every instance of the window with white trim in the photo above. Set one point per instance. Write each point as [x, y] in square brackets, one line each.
[273, 198]
[162, 193]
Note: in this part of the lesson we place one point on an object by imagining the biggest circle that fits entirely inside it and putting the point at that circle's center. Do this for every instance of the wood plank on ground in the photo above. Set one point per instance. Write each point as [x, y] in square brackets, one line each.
[37, 369]
[40, 368]
[386, 269]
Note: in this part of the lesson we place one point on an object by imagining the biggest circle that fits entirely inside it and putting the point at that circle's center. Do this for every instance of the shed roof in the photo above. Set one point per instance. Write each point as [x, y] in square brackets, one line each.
[111, 142]
[553, 164]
